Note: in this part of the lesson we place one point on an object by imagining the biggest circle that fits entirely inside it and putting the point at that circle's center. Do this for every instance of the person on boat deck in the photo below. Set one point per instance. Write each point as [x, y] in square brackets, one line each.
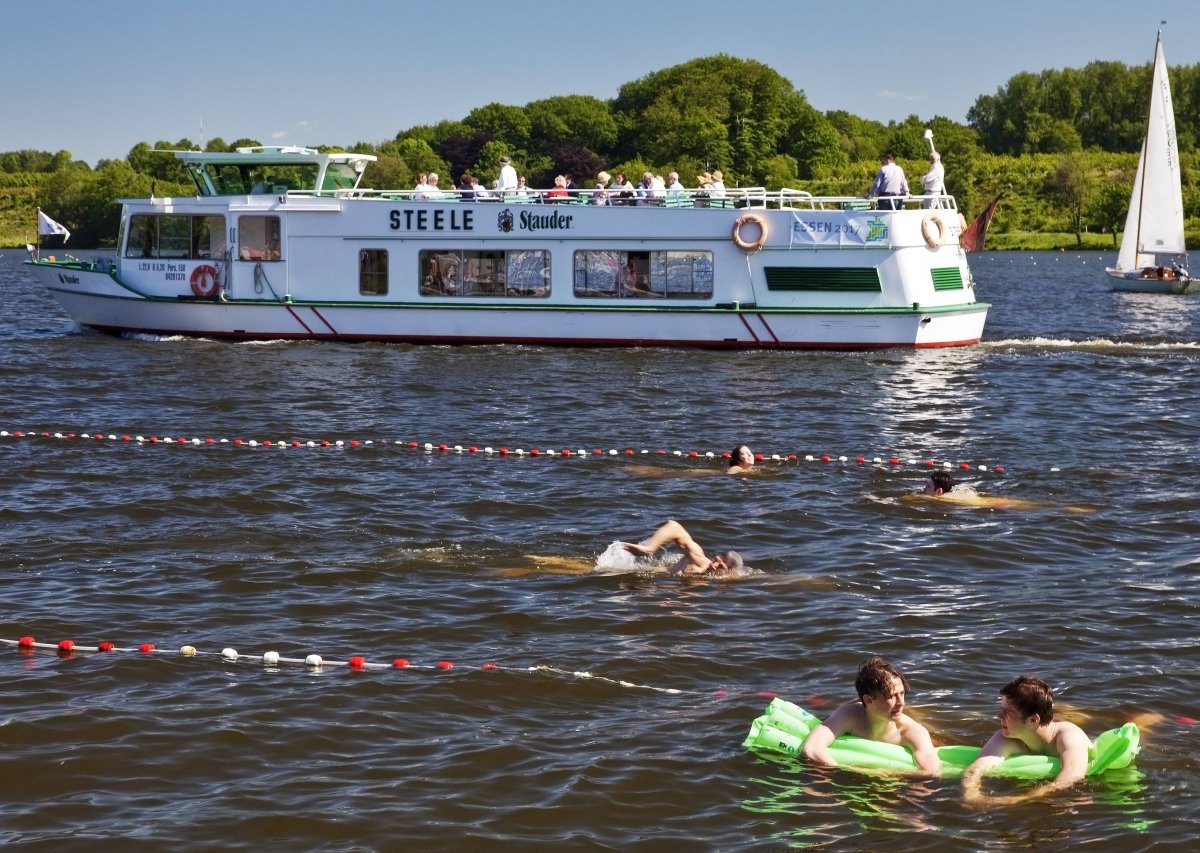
[890, 184]
[430, 188]
[1028, 727]
[559, 191]
[622, 191]
[741, 460]
[673, 185]
[523, 192]
[878, 715]
[718, 184]
[508, 176]
[694, 561]
[600, 196]
[421, 186]
[934, 180]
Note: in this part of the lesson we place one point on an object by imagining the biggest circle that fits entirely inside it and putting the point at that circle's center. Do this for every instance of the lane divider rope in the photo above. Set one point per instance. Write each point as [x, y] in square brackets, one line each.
[315, 662]
[444, 448]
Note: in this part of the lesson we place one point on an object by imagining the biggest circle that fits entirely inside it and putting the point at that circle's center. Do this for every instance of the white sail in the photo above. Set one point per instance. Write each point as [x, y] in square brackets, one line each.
[1154, 224]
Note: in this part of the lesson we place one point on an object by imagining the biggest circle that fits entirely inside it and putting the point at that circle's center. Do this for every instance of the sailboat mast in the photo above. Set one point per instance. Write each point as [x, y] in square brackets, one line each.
[1137, 243]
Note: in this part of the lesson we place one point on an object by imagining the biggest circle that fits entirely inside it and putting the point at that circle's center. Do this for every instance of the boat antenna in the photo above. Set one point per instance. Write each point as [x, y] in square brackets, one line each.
[929, 139]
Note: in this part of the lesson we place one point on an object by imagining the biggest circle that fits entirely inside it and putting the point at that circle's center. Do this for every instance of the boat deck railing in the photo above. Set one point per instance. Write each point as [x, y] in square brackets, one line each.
[738, 197]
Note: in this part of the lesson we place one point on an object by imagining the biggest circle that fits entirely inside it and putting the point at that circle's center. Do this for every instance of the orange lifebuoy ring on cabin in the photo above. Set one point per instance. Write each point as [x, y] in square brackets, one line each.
[933, 230]
[205, 282]
[750, 219]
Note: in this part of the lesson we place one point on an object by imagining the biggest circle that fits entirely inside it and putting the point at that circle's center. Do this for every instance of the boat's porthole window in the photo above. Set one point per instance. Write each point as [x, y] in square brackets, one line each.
[373, 272]
[620, 274]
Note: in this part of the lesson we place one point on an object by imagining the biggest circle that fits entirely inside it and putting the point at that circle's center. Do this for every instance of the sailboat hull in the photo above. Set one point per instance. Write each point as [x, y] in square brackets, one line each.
[1126, 282]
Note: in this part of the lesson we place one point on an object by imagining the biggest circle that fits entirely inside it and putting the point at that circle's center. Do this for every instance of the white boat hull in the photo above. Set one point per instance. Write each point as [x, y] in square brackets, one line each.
[98, 302]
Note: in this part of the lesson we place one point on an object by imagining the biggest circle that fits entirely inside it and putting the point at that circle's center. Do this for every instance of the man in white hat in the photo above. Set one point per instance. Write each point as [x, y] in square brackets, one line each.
[508, 176]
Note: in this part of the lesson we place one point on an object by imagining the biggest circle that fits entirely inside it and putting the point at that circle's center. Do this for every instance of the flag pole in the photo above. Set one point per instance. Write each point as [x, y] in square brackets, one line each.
[37, 229]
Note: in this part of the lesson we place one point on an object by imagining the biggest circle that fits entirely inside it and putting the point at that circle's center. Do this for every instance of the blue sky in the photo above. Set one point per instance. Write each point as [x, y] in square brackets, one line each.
[97, 76]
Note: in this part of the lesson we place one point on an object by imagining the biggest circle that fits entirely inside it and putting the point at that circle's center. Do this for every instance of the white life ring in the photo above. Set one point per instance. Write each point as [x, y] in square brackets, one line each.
[204, 281]
[933, 230]
[751, 219]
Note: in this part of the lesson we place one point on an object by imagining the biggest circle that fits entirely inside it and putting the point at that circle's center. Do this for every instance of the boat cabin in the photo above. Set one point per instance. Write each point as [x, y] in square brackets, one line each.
[266, 170]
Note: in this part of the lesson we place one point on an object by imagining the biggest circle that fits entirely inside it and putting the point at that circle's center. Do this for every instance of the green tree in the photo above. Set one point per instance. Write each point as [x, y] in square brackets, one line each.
[1072, 186]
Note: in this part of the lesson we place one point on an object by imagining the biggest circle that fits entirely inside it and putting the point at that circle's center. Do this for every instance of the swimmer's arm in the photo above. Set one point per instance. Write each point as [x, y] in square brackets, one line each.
[916, 738]
[993, 753]
[670, 532]
[816, 746]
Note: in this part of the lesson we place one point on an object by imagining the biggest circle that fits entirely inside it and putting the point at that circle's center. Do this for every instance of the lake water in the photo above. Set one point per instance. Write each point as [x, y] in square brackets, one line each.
[614, 714]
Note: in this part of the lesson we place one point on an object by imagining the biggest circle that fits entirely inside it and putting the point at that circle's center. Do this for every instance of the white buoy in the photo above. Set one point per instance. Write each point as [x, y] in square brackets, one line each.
[229, 654]
[187, 651]
[314, 661]
[270, 658]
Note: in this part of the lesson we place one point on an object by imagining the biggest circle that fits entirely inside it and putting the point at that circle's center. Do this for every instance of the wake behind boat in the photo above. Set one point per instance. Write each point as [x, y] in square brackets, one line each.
[285, 243]
[1153, 256]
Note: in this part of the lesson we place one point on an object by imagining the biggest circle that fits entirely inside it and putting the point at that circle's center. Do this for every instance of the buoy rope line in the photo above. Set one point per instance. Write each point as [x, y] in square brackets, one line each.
[444, 448]
[315, 662]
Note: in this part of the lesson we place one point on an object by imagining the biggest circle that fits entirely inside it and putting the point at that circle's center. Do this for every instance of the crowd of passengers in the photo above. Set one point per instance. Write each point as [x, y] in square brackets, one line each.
[650, 190]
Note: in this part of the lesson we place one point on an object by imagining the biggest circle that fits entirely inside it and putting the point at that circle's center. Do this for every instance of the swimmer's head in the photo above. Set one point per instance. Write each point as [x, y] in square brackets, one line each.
[1030, 695]
[726, 561]
[876, 677]
[742, 455]
[940, 482]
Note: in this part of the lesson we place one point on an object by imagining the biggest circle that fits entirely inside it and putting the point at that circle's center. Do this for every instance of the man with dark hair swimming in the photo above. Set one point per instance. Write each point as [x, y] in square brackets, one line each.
[1028, 727]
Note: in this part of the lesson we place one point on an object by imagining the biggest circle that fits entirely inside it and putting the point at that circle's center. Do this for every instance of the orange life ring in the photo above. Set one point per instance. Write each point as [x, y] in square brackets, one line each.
[204, 281]
[752, 219]
[933, 230]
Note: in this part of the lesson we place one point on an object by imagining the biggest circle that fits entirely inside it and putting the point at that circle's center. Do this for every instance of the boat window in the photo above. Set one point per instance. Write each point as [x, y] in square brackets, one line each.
[373, 272]
[175, 236]
[612, 273]
[258, 238]
[513, 273]
[271, 178]
[339, 176]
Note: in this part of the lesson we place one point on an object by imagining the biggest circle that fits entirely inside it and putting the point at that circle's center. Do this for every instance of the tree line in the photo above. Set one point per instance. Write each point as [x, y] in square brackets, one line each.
[1065, 140]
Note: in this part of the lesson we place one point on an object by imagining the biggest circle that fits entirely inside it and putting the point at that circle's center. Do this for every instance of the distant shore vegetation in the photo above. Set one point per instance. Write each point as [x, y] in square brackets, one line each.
[1064, 141]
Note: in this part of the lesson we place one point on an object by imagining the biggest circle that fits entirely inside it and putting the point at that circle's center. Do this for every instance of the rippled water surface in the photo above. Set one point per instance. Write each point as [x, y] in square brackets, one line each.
[619, 698]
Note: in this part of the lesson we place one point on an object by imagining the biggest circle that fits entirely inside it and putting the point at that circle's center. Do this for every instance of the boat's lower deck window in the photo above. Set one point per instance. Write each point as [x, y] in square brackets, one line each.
[512, 273]
[373, 272]
[258, 238]
[174, 235]
[611, 273]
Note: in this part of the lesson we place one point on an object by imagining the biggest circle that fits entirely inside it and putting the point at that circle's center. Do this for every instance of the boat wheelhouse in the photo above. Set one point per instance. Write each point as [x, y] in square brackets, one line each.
[288, 243]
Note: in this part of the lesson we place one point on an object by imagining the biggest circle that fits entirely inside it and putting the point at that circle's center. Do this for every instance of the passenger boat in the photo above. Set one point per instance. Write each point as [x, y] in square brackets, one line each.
[287, 243]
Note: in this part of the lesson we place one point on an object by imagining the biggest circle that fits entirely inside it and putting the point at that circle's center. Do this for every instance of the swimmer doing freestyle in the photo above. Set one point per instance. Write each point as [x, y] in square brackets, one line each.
[694, 561]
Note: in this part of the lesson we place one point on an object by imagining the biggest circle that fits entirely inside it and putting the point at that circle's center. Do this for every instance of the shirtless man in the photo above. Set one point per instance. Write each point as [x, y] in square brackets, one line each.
[1028, 727]
[694, 561]
[877, 715]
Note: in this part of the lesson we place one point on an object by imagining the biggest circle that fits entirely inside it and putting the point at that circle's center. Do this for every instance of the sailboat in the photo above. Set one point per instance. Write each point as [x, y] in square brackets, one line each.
[1153, 257]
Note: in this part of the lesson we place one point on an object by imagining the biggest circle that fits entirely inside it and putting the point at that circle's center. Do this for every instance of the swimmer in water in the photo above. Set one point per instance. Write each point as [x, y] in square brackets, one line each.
[878, 715]
[941, 485]
[741, 460]
[694, 561]
[1028, 727]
